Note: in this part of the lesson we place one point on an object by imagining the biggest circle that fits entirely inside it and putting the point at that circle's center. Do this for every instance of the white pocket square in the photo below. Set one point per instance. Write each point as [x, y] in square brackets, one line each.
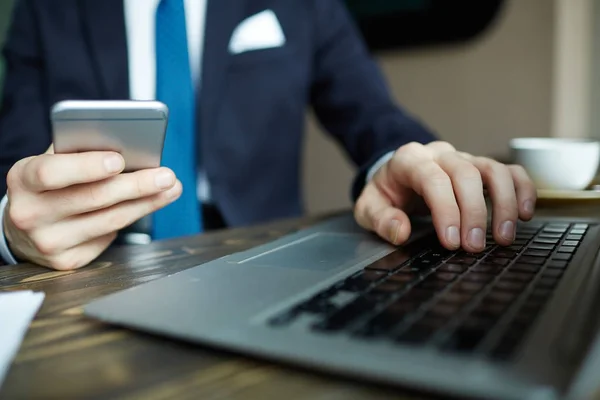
[260, 31]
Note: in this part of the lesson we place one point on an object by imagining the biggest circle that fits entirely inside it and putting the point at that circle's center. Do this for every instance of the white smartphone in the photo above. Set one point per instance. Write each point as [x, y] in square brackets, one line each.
[135, 129]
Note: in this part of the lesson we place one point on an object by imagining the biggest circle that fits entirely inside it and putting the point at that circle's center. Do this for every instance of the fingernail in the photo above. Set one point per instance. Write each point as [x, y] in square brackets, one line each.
[395, 231]
[476, 238]
[113, 163]
[453, 236]
[507, 230]
[528, 206]
[164, 180]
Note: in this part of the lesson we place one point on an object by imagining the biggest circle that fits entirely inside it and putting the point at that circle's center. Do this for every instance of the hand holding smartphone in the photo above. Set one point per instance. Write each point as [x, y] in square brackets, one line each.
[135, 129]
[66, 208]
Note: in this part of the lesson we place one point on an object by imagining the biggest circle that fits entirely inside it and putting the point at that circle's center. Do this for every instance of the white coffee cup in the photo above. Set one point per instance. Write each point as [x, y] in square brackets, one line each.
[557, 163]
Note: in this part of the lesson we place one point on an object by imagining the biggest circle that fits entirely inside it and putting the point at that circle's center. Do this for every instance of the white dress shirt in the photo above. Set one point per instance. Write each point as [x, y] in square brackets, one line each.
[140, 30]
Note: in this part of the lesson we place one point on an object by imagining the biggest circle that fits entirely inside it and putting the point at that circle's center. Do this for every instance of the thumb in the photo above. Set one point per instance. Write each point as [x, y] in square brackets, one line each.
[374, 211]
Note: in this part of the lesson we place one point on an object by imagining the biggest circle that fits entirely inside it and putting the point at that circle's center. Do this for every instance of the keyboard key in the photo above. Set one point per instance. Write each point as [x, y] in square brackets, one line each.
[456, 297]
[548, 235]
[538, 246]
[531, 260]
[580, 226]
[531, 268]
[573, 243]
[518, 276]
[557, 264]
[516, 248]
[576, 238]
[403, 277]
[462, 260]
[421, 266]
[391, 262]
[478, 277]
[566, 249]
[469, 287]
[510, 286]
[554, 230]
[458, 268]
[497, 261]
[362, 280]
[557, 226]
[503, 252]
[387, 288]
[562, 256]
[488, 268]
[521, 241]
[537, 253]
[433, 285]
[347, 314]
[388, 319]
[577, 231]
[500, 296]
[546, 240]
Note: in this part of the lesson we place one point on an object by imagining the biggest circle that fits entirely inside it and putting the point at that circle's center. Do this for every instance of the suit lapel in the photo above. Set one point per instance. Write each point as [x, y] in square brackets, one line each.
[222, 16]
[104, 30]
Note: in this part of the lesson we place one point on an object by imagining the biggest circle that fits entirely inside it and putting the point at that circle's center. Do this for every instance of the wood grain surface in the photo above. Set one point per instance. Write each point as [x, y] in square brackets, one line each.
[68, 356]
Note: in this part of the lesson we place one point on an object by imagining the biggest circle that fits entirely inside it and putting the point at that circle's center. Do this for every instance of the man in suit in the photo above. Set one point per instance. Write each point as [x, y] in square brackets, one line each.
[255, 66]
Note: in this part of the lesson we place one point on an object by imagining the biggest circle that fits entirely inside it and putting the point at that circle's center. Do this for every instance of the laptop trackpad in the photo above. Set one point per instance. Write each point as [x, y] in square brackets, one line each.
[319, 252]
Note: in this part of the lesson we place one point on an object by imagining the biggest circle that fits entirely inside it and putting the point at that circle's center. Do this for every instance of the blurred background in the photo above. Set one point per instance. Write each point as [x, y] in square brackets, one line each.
[479, 72]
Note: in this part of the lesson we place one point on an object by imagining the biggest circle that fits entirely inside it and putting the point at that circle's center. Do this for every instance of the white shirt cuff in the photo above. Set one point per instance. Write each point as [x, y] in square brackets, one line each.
[4, 251]
[385, 158]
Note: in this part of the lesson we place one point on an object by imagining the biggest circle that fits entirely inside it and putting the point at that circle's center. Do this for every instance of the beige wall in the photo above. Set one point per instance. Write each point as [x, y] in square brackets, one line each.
[476, 95]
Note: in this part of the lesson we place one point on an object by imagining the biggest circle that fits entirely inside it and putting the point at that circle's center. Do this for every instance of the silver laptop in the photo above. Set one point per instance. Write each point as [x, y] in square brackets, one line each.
[518, 322]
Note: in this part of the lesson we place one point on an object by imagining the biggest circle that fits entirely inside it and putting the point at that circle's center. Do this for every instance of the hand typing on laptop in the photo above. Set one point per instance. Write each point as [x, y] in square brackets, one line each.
[451, 184]
[66, 209]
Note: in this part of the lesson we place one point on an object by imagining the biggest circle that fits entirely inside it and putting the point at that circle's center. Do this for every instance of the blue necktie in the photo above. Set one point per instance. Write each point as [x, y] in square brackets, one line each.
[174, 88]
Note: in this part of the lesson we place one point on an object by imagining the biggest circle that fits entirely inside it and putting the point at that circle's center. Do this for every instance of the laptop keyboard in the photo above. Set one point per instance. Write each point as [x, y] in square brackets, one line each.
[423, 294]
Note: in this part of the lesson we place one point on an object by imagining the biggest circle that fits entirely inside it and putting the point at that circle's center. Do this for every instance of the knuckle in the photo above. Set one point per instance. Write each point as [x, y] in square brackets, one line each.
[468, 173]
[432, 175]
[42, 175]
[22, 218]
[117, 220]
[441, 146]
[492, 168]
[97, 195]
[47, 245]
[13, 178]
[412, 148]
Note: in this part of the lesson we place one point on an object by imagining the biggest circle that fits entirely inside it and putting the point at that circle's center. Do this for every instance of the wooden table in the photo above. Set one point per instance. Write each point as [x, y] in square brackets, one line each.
[67, 356]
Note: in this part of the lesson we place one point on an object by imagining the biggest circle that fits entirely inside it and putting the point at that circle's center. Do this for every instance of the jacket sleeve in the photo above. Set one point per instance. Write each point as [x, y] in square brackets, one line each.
[24, 119]
[350, 96]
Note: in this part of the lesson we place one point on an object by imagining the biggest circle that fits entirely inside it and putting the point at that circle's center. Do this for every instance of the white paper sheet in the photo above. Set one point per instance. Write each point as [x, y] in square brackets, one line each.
[17, 309]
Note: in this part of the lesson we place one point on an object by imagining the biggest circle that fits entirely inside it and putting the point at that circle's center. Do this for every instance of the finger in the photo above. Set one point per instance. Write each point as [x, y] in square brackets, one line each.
[80, 199]
[81, 255]
[57, 171]
[430, 181]
[499, 182]
[468, 189]
[69, 233]
[526, 192]
[375, 212]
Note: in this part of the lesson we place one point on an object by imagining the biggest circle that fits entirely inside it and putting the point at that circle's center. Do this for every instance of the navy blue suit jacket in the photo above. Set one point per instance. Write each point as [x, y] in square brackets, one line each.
[251, 107]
